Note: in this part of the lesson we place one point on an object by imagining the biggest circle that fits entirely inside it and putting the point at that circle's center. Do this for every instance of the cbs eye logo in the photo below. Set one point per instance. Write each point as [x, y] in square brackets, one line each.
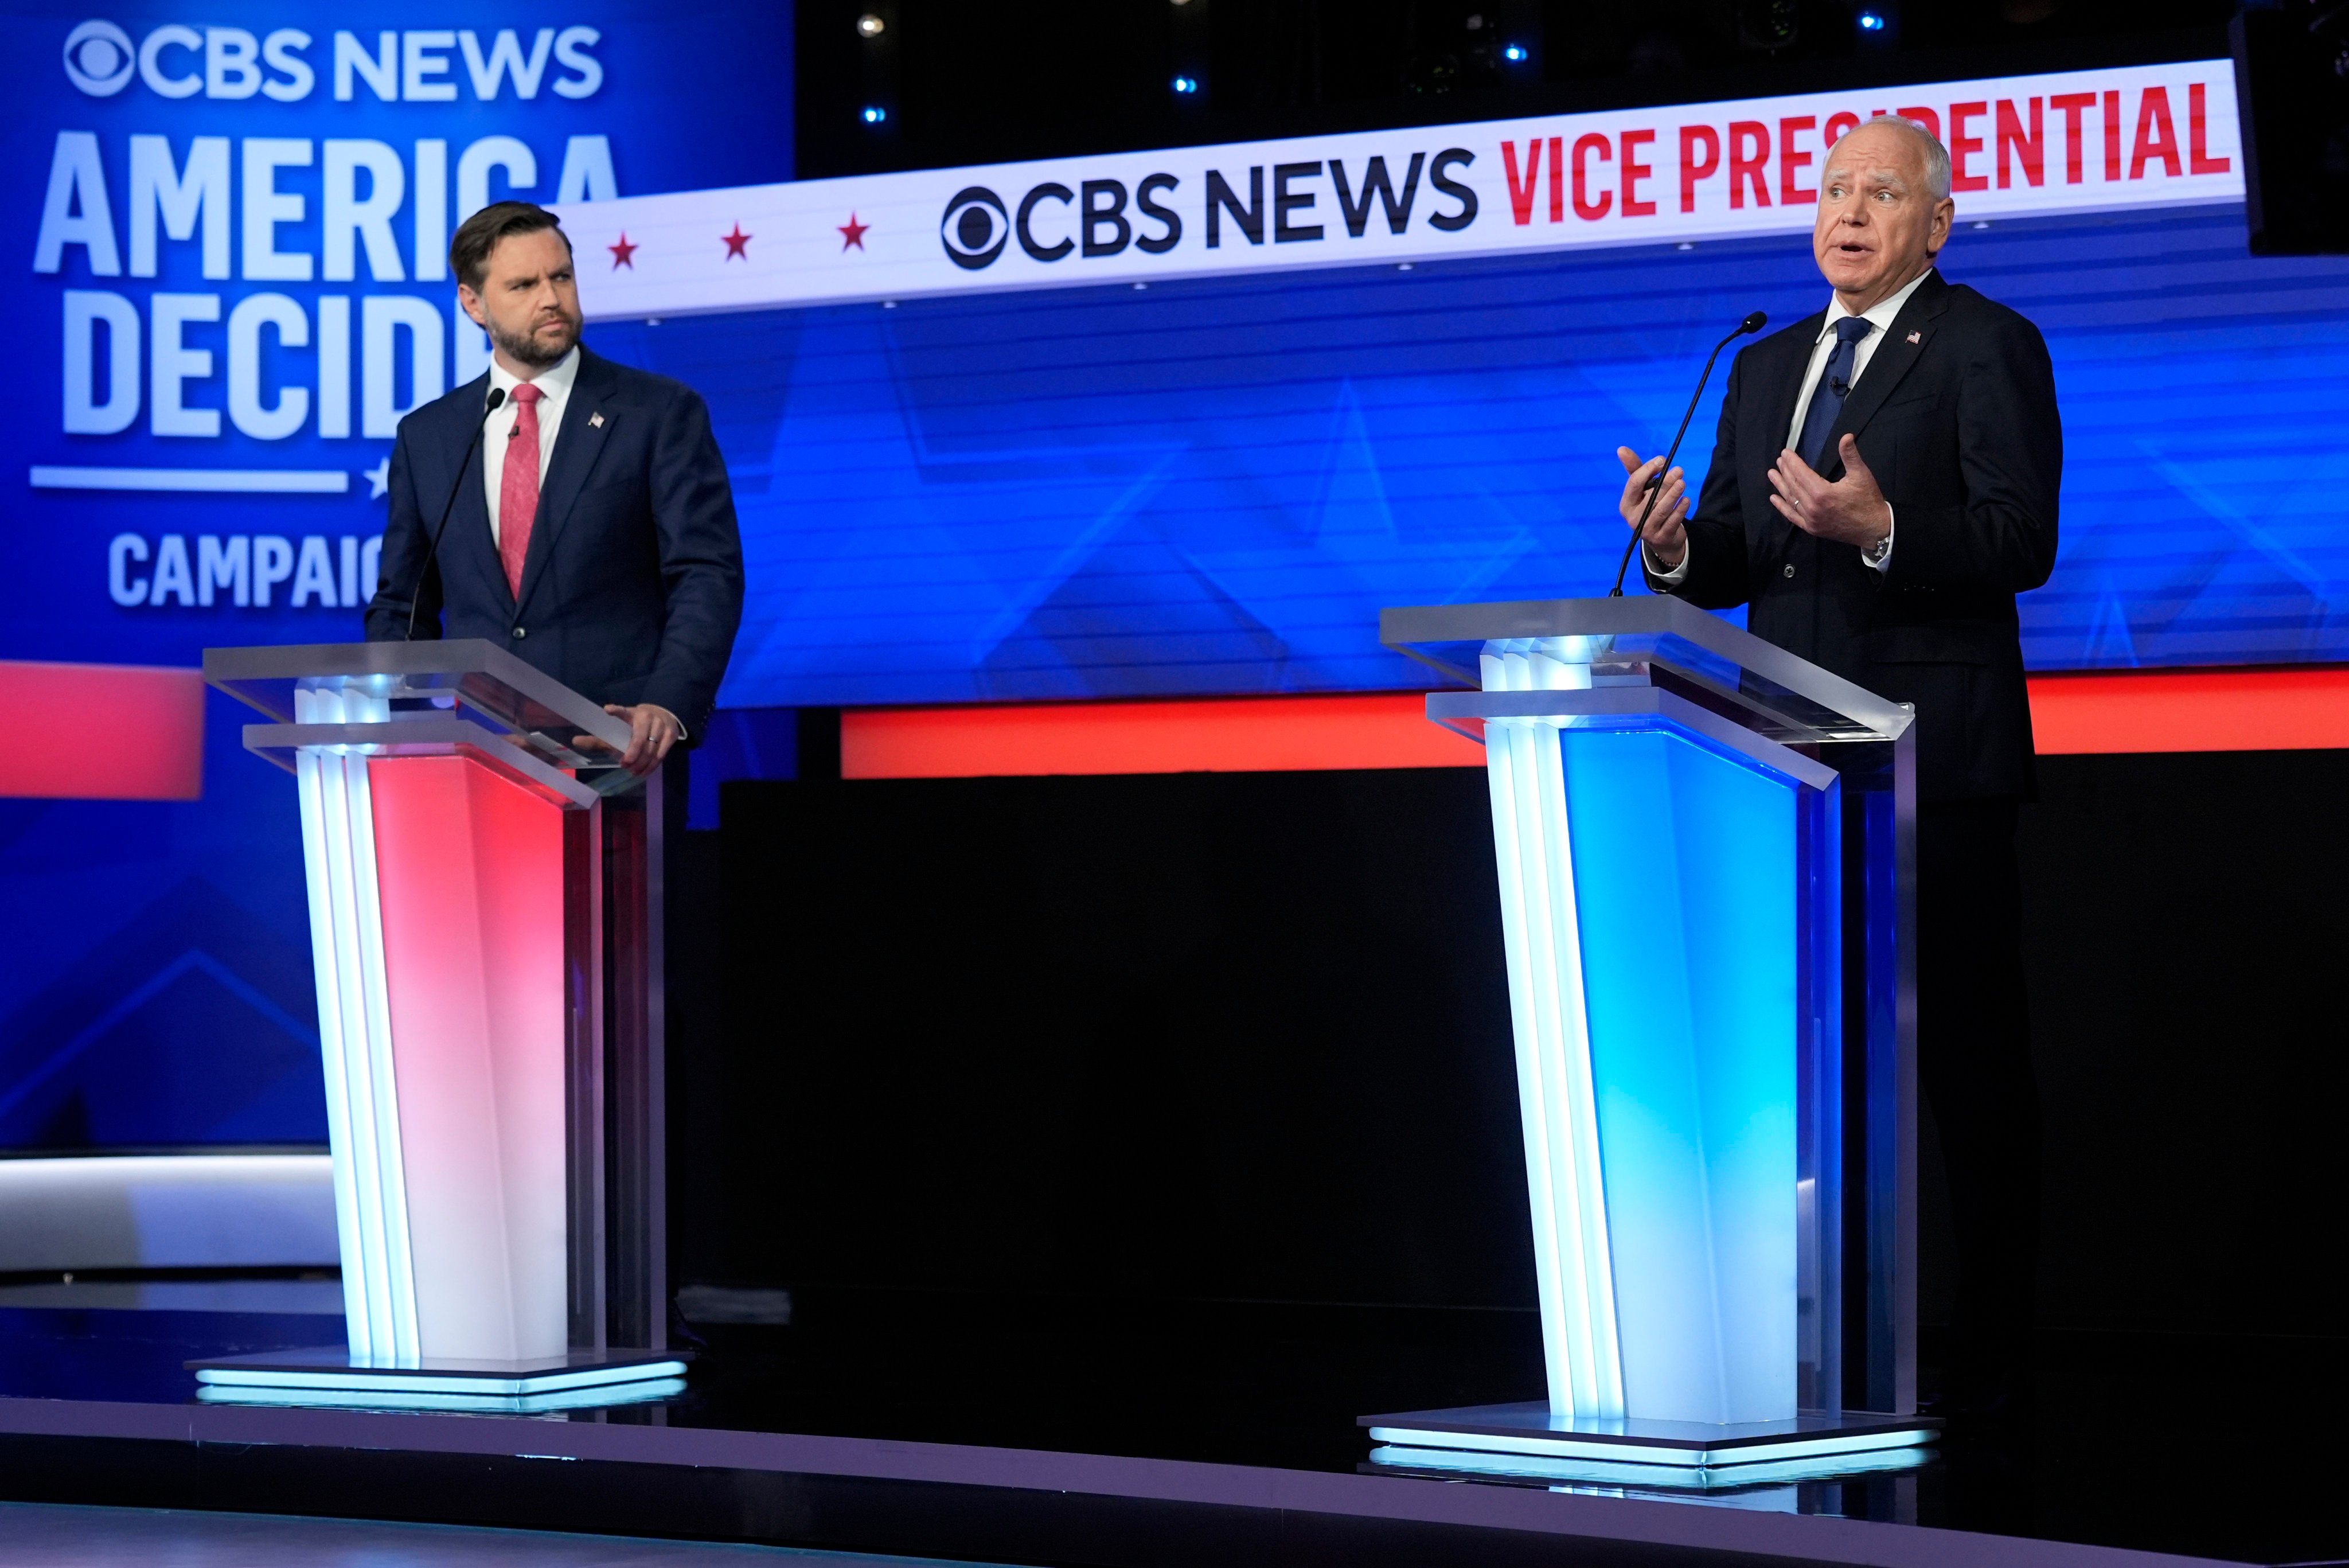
[976, 228]
[100, 59]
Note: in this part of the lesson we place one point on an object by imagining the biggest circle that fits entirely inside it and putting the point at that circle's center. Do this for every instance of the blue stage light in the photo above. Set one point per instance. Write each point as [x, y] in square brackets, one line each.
[1186, 84]
[874, 114]
[484, 1384]
[1515, 53]
[1871, 22]
[395, 1398]
[1616, 1472]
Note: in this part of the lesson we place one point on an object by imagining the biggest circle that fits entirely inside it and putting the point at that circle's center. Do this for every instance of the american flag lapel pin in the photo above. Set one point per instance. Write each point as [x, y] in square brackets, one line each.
[596, 418]
[1913, 338]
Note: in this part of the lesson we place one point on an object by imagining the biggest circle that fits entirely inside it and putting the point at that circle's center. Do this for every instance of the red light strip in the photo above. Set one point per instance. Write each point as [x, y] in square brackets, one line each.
[1218, 734]
[2191, 711]
[103, 731]
[2160, 711]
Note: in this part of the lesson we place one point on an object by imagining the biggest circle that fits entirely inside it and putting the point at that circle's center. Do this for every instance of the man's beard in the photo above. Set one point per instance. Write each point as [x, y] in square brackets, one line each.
[526, 349]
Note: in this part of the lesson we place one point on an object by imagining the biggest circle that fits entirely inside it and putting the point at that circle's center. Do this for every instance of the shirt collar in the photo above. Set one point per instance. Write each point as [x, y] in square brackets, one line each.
[1880, 315]
[555, 381]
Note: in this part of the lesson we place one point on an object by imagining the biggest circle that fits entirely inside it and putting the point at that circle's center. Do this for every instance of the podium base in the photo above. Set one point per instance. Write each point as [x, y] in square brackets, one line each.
[1528, 1440]
[581, 1379]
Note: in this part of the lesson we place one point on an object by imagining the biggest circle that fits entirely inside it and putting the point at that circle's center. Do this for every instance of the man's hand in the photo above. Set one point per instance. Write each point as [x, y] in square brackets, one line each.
[1666, 538]
[1851, 511]
[651, 733]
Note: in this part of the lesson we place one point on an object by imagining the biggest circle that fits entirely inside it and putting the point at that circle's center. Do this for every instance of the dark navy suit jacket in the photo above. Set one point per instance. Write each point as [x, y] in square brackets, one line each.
[632, 586]
[1956, 415]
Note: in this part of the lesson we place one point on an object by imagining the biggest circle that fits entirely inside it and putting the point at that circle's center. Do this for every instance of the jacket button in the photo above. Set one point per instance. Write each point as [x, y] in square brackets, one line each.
[520, 633]
[1790, 572]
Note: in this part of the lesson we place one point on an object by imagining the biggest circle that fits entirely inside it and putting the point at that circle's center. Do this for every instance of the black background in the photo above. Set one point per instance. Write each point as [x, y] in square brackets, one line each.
[1244, 1037]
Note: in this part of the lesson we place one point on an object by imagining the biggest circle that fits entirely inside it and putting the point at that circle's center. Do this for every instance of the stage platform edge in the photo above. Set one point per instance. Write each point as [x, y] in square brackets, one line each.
[632, 1473]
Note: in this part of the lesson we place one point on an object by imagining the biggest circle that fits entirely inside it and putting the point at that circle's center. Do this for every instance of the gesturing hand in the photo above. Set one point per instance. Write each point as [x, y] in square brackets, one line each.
[1665, 536]
[1851, 511]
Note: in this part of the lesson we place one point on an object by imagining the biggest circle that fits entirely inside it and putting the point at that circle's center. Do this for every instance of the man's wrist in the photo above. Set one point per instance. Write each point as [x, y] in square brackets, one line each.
[1877, 550]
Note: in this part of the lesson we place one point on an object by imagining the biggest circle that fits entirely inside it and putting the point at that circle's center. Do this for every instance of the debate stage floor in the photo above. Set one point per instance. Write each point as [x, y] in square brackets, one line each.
[1047, 1431]
[58, 1535]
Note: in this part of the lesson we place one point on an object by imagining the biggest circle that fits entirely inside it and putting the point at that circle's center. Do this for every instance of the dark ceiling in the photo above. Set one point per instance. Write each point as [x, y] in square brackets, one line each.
[961, 81]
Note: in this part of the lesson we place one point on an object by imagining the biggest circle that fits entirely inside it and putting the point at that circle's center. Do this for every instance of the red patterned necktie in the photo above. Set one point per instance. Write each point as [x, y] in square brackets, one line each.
[518, 486]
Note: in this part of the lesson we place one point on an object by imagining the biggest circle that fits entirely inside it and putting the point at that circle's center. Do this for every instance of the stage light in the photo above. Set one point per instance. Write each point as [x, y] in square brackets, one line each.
[1186, 84]
[1514, 54]
[870, 26]
[874, 114]
[1871, 22]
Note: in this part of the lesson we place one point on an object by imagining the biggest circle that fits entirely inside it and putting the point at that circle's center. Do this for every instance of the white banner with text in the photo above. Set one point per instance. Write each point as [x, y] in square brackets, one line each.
[2070, 142]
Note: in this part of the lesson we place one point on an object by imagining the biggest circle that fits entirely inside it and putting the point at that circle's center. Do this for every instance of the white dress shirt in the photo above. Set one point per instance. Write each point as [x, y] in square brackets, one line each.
[1879, 317]
[554, 381]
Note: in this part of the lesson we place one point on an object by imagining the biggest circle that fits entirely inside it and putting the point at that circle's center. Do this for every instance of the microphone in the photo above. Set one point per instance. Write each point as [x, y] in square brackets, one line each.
[1753, 323]
[432, 551]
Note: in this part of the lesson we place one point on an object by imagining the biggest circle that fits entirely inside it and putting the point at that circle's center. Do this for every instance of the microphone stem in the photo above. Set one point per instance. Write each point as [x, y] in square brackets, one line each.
[432, 551]
[1656, 486]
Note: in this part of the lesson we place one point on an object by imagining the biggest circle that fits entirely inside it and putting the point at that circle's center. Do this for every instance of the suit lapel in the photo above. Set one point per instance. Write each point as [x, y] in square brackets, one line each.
[578, 443]
[1785, 378]
[1904, 343]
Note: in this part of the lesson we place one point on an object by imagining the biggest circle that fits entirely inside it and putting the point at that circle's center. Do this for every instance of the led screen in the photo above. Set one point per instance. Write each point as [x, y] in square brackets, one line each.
[1215, 485]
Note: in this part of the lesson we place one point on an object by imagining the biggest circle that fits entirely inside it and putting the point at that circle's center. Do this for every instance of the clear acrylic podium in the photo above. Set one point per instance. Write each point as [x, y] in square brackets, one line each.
[485, 922]
[1705, 849]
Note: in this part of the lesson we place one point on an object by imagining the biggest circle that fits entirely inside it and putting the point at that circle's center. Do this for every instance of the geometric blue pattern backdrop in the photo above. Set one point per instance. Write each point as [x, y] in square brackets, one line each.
[1215, 485]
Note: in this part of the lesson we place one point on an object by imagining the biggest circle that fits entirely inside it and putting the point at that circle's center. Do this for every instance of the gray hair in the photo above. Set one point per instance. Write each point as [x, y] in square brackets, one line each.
[1936, 156]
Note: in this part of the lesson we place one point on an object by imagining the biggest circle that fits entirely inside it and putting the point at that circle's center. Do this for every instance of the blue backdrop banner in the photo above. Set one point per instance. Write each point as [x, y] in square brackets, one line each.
[1215, 485]
[228, 232]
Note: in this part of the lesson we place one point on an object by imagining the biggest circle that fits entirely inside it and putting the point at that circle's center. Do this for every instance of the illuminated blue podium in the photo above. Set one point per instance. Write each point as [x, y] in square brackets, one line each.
[1705, 856]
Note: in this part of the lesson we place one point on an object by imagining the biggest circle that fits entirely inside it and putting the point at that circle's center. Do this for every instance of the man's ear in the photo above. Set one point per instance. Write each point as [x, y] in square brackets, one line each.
[472, 304]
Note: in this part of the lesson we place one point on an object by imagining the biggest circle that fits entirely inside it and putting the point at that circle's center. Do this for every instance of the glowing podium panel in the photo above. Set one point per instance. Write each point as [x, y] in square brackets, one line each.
[1704, 850]
[485, 931]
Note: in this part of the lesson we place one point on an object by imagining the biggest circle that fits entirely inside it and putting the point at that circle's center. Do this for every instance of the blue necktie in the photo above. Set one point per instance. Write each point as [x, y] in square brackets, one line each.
[1826, 400]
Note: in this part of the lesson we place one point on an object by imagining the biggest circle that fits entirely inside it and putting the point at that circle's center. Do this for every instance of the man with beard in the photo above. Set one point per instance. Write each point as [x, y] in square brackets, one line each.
[592, 527]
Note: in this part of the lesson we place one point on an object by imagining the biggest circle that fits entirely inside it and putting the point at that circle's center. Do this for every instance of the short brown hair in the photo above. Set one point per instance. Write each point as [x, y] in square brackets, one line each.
[477, 237]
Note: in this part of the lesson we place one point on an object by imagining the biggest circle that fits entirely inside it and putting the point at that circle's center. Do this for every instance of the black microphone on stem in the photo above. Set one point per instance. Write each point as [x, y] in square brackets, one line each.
[1753, 323]
[432, 551]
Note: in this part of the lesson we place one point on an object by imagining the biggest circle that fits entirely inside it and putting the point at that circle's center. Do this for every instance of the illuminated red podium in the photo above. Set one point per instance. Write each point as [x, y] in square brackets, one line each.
[486, 931]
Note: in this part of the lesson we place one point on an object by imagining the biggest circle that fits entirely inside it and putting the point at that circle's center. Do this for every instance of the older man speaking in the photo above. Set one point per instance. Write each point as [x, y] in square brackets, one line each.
[1883, 486]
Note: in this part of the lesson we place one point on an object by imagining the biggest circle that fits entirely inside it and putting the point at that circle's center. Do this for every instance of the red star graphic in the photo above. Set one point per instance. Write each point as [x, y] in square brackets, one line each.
[736, 244]
[622, 252]
[853, 233]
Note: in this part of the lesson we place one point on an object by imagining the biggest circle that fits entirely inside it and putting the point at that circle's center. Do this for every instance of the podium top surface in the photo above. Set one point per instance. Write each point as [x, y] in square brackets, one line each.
[472, 671]
[1650, 639]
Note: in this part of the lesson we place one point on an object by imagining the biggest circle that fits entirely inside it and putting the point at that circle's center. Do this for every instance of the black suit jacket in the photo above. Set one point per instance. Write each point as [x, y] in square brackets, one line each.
[1956, 415]
[632, 589]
